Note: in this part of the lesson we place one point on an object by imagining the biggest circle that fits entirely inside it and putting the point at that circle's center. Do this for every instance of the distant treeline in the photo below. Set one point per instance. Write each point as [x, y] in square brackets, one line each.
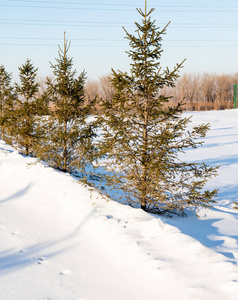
[200, 91]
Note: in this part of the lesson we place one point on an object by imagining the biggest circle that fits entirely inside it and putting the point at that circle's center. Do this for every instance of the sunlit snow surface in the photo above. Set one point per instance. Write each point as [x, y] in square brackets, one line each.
[58, 242]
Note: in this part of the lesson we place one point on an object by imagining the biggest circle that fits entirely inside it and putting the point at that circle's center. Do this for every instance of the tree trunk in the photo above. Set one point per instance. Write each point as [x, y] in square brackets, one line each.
[143, 207]
[65, 149]
[143, 199]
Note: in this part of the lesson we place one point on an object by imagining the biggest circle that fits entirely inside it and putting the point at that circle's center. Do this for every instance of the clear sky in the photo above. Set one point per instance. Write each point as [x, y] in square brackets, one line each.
[204, 32]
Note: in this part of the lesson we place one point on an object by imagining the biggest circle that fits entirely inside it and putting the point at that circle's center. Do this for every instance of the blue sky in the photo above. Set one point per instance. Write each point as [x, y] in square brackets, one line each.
[203, 32]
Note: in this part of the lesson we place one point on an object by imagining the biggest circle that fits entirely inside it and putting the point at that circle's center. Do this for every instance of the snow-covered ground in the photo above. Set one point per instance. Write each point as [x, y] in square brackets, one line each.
[59, 242]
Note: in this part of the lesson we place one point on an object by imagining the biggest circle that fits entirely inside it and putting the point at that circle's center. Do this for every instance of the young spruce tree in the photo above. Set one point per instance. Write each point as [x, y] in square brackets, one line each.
[26, 107]
[65, 138]
[7, 104]
[142, 139]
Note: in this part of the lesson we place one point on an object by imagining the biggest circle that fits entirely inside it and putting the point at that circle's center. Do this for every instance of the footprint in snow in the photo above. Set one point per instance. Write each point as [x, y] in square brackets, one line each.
[109, 217]
[65, 272]
[41, 260]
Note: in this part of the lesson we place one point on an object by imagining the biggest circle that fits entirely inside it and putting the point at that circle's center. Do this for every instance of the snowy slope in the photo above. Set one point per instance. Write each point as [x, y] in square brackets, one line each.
[59, 242]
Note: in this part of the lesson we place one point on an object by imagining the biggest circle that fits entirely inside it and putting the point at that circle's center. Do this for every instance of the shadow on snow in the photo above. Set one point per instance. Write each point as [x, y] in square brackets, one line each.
[15, 259]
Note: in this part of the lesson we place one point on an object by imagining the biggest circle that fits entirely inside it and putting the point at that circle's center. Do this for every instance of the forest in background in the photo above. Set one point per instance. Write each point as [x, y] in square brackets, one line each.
[200, 91]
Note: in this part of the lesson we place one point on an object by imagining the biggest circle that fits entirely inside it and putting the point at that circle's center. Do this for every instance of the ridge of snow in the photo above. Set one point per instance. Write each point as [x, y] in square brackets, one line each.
[61, 242]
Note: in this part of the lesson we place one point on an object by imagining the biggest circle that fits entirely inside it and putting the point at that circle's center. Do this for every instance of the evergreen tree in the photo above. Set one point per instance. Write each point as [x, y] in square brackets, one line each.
[142, 139]
[7, 102]
[26, 108]
[65, 136]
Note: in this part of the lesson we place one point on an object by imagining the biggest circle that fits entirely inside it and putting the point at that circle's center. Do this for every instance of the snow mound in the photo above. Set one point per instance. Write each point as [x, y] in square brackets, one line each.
[59, 241]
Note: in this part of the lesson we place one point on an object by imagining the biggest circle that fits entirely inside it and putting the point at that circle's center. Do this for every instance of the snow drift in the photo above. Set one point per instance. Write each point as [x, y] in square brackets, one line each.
[59, 241]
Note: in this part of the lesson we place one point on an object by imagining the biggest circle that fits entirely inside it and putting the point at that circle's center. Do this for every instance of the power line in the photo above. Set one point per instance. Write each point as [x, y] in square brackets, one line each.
[68, 8]
[57, 39]
[126, 5]
[110, 24]
[66, 21]
[113, 46]
[113, 26]
[113, 9]
[74, 3]
[119, 23]
[106, 40]
[72, 25]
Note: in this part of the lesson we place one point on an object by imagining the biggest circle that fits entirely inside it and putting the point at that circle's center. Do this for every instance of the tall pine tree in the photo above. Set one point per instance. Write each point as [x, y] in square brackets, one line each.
[142, 140]
[65, 137]
[7, 104]
[26, 108]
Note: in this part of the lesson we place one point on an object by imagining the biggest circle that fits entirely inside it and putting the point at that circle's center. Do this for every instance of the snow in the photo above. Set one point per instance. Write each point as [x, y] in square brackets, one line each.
[59, 241]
